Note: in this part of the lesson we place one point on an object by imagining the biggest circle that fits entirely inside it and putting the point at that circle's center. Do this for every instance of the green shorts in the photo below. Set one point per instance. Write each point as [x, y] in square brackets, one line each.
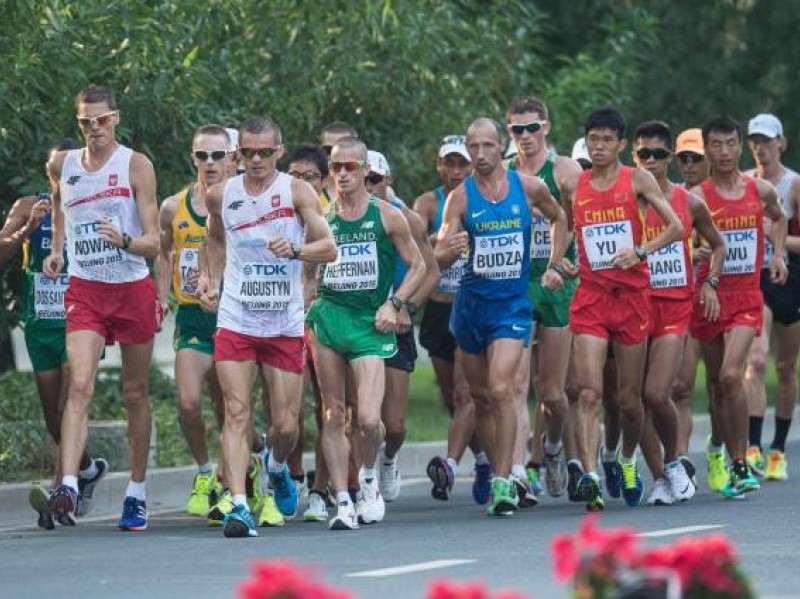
[350, 333]
[47, 347]
[551, 308]
[194, 329]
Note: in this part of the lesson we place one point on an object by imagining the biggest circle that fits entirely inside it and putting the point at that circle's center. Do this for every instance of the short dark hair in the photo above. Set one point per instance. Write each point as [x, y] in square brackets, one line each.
[340, 128]
[66, 143]
[606, 117]
[350, 142]
[313, 154]
[212, 129]
[528, 104]
[499, 129]
[94, 94]
[261, 124]
[721, 124]
[657, 129]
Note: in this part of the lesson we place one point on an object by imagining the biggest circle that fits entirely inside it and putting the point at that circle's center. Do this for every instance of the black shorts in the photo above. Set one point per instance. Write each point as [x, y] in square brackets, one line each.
[434, 331]
[783, 300]
[406, 353]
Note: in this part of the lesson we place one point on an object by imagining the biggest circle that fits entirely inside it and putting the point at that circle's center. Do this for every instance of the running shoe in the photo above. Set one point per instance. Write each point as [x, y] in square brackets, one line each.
[680, 484]
[632, 487]
[441, 476]
[504, 498]
[39, 499]
[389, 479]
[555, 472]
[534, 479]
[740, 481]
[482, 484]
[254, 484]
[613, 476]
[199, 498]
[218, 511]
[661, 493]
[285, 492]
[87, 487]
[574, 474]
[370, 507]
[691, 470]
[776, 465]
[588, 489]
[302, 489]
[345, 518]
[717, 469]
[270, 515]
[525, 496]
[755, 460]
[239, 523]
[316, 511]
[63, 500]
[134, 515]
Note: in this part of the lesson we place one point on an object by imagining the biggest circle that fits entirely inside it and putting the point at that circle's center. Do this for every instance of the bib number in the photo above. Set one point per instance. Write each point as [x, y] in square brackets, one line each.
[92, 250]
[741, 248]
[265, 286]
[48, 296]
[355, 269]
[540, 239]
[668, 267]
[602, 242]
[451, 276]
[499, 256]
[189, 268]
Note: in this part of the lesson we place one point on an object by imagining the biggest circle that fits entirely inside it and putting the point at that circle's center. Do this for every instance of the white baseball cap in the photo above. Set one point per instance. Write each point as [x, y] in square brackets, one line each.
[765, 124]
[233, 134]
[454, 144]
[579, 150]
[378, 164]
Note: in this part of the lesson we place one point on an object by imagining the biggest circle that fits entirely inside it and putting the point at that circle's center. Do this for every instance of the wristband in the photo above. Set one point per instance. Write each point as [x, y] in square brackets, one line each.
[559, 268]
[640, 253]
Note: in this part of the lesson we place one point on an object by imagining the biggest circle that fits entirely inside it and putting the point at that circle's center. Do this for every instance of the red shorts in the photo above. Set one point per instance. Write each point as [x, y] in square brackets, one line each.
[621, 316]
[283, 353]
[119, 312]
[670, 317]
[737, 308]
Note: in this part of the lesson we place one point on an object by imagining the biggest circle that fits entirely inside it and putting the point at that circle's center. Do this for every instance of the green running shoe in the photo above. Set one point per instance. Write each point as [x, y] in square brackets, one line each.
[504, 498]
[199, 504]
[254, 484]
[717, 471]
[221, 509]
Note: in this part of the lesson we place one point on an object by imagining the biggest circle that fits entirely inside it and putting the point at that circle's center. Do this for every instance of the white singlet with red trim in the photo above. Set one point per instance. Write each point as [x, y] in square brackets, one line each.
[262, 295]
[89, 197]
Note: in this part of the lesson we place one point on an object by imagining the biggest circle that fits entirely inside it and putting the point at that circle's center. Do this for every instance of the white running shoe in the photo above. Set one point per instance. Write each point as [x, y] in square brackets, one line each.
[88, 486]
[679, 481]
[389, 477]
[661, 494]
[555, 473]
[317, 511]
[345, 518]
[370, 506]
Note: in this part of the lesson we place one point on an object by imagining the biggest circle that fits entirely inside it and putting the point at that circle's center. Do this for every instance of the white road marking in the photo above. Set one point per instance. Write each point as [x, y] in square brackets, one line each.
[679, 531]
[422, 567]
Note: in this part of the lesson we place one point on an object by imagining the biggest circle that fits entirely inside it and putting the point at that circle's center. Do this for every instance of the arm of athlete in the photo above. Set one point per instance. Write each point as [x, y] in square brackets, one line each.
[425, 206]
[567, 172]
[646, 188]
[452, 240]
[22, 220]
[793, 241]
[214, 251]
[54, 263]
[772, 210]
[432, 275]
[539, 197]
[704, 225]
[163, 262]
[396, 227]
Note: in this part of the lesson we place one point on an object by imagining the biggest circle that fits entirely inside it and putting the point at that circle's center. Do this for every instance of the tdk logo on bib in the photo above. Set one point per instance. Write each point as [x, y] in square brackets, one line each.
[84, 228]
[609, 229]
[501, 241]
[266, 270]
[356, 249]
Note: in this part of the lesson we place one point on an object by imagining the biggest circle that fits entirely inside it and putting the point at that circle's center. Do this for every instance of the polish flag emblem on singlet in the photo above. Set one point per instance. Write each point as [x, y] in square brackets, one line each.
[276, 200]
[112, 180]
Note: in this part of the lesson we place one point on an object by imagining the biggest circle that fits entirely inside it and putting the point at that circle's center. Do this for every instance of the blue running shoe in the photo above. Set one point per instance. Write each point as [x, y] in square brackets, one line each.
[134, 515]
[63, 502]
[285, 492]
[632, 487]
[613, 475]
[239, 523]
[482, 485]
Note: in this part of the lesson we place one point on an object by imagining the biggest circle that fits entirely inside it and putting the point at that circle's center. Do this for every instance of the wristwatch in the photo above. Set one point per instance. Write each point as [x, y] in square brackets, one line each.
[712, 281]
[559, 268]
[397, 302]
[640, 253]
[295, 252]
[411, 307]
[126, 241]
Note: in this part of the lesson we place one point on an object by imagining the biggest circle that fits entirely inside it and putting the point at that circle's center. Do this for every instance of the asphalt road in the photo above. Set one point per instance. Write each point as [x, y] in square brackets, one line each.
[179, 556]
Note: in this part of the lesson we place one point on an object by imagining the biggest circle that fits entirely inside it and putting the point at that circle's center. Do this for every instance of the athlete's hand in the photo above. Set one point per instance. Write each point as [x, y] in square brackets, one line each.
[208, 294]
[161, 312]
[710, 302]
[777, 270]
[625, 259]
[386, 317]
[403, 321]
[110, 233]
[702, 253]
[281, 247]
[53, 265]
[570, 269]
[551, 280]
[39, 210]
[457, 242]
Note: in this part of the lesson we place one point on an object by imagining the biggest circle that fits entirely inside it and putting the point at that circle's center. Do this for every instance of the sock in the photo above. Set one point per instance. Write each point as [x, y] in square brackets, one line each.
[624, 460]
[70, 481]
[754, 436]
[577, 462]
[713, 447]
[90, 472]
[343, 497]
[536, 466]
[240, 499]
[453, 465]
[781, 432]
[551, 449]
[481, 459]
[204, 468]
[518, 470]
[274, 466]
[369, 473]
[609, 455]
[301, 478]
[136, 490]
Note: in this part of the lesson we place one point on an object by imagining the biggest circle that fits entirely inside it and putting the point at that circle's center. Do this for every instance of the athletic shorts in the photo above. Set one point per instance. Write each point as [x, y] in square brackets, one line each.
[434, 331]
[284, 353]
[194, 329]
[618, 315]
[406, 353]
[551, 308]
[350, 333]
[476, 322]
[783, 300]
[670, 317]
[119, 312]
[47, 347]
[736, 309]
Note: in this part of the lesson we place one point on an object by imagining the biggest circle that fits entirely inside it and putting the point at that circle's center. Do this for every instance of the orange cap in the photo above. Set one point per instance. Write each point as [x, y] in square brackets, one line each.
[690, 140]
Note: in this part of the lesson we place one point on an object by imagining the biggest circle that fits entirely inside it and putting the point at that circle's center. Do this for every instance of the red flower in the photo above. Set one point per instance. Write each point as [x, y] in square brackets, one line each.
[566, 557]
[283, 580]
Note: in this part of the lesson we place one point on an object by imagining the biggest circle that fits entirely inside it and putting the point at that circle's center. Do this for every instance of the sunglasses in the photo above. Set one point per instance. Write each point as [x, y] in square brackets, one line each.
[690, 158]
[350, 166]
[92, 121]
[309, 176]
[375, 178]
[262, 152]
[215, 155]
[656, 153]
[520, 128]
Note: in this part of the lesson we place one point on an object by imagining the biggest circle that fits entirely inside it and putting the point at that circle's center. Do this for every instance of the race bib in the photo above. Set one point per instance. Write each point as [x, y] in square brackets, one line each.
[540, 239]
[92, 250]
[451, 276]
[741, 248]
[48, 296]
[265, 286]
[668, 267]
[189, 268]
[355, 269]
[499, 256]
[603, 241]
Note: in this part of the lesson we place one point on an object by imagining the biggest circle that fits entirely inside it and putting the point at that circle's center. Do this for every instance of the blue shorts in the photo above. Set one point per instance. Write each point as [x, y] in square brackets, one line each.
[476, 322]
